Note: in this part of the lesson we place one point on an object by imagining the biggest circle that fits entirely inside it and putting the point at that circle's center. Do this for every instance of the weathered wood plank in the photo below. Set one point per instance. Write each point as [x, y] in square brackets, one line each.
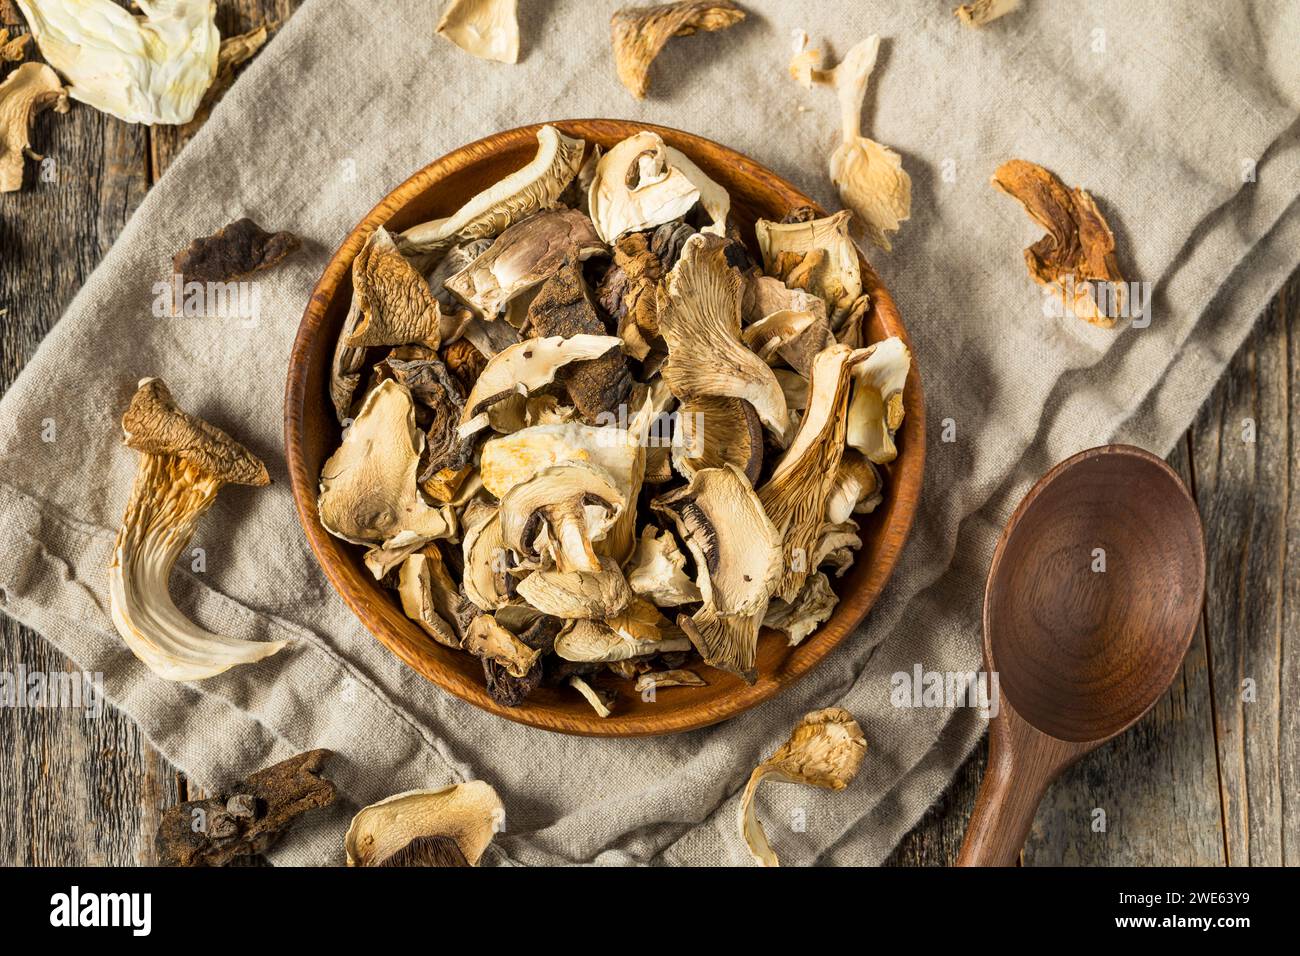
[936, 839]
[1246, 460]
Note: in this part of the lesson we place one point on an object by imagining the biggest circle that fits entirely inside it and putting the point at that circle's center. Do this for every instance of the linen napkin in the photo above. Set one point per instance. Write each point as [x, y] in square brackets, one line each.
[1182, 126]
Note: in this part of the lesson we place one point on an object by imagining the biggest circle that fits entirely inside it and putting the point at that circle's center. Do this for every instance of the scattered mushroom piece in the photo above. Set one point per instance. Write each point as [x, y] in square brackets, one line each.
[699, 317]
[825, 750]
[1076, 257]
[578, 594]
[602, 701]
[654, 680]
[643, 182]
[568, 506]
[368, 491]
[786, 247]
[429, 596]
[183, 463]
[737, 553]
[876, 411]
[233, 252]
[563, 306]
[528, 190]
[394, 303]
[486, 638]
[713, 431]
[794, 497]
[858, 488]
[523, 257]
[28, 90]
[983, 12]
[798, 618]
[489, 29]
[657, 570]
[640, 33]
[149, 69]
[466, 814]
[525, 367]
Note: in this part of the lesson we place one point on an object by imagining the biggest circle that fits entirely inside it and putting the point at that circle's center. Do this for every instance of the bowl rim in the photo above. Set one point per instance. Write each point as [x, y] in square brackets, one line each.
[905, 485]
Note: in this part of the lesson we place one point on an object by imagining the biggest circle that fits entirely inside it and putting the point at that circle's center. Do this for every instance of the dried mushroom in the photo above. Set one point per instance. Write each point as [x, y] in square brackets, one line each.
[28, 90]
[825, 750]
[464, 815]
[538, 492]
[489, 29]
[982, 12]
[13, 51]
[233, 252]
[640, 33]
[149, 69]
[183, 463]
[531, 189]
[1077, 256]
[249, 819]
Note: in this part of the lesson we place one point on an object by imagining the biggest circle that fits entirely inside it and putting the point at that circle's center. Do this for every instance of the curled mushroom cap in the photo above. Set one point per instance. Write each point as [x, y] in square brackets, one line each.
[489, 640]
[429, 595]
[534, 187]
[713, 431]
[368, 491]
[637, 630]
[394, 303]
[876, 411]
[817, 255]
[639, 33]
[468, 814]
[489, 29]
[486, 581]
[657, 570]
[578, 594]
[184, 461]
[800, 617]
[28, 90]
[643, 182]
[825, 750]
[563, 508]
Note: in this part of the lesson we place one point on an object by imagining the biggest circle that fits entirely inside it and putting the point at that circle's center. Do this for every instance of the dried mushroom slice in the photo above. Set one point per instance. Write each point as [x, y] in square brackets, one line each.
[561, 511]
[654, 680]
[640, 33]
[858, 488]
[523, 257]
[602, 701]
[795, 495]
[657, 570]
[28, 90]
[798, 618]
[487, 580]
[464, 814]
[536, 186]
[627, 292]
[578, 594]
[183, 463]
[1077, 256]
[393, 302]
[489, 29]
[791, 337]
[699, 317]
[825, 750]
[368, 491]
[834, 271]
[488, 639]
[643, 182]
[983, 12]
[429, 595]
[836, 545]
[737, 553]
[714, 431]
[524, 368]
[13, 51]
[876, 411]
[447, 457]
[767, 294]
[510, 460]
[639, 629]
[233, 252]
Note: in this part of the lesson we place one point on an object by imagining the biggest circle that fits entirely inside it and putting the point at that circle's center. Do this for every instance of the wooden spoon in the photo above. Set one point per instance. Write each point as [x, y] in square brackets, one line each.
[1092, 601]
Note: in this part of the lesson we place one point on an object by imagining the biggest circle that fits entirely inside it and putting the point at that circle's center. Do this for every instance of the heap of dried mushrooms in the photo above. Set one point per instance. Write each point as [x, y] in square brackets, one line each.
[589, 439]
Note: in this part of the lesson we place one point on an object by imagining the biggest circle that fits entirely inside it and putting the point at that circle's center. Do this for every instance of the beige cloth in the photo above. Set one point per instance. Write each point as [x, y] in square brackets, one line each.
[1158, 113]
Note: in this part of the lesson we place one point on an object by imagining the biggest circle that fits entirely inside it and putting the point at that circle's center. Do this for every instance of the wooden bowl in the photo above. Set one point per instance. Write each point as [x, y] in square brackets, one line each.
[311, 433]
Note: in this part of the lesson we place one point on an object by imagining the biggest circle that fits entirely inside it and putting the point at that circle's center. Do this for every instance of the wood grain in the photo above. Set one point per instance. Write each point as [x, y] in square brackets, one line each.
[312, 434]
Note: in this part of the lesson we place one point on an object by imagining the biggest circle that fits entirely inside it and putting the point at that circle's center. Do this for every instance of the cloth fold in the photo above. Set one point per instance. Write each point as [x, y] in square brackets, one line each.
[1184, 130]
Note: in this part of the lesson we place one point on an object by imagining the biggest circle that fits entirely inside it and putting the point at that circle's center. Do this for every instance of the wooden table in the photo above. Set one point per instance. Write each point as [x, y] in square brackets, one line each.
[1206, 778]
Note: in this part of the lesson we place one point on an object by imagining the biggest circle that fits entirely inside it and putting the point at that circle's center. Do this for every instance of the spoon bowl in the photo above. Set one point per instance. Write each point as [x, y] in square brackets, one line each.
[1093, 598]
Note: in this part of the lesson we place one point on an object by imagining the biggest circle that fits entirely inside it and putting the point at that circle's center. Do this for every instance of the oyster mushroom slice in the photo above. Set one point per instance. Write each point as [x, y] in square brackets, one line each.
[835, 546]
[486, 580]
[523, 257]
[489, 29]
[787, 246]
[799, 618]
[486, 638]
[657, 570]
[825, 750]
[28, 90]
[393, 302]
[876, 411]
[468, 814]
[858, 488]
[429, 595]
[699, 318]
[737, 553]
[183, 463]
[643, 182]
[525, 367]
[640, 33]
[578, 594]
[536, 186]
[638, 630]
[571, 505]
[712, 431]
[368, 491]
[795, 495]
[792, 337]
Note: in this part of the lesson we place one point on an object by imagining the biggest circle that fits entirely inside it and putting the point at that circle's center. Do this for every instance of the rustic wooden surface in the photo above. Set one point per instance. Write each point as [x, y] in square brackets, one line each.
[1202, 779]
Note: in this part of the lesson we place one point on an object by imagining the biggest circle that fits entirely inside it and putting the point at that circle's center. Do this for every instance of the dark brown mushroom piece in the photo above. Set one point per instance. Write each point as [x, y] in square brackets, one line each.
[439, 403]
[233, 252]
